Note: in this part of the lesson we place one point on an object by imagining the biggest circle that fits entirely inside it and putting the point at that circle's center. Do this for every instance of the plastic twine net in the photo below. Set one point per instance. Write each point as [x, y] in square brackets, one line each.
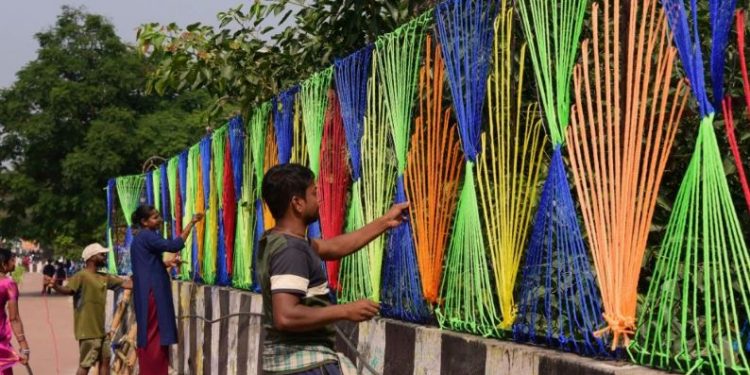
[333, 181]
[314, 100]
[432, 172]
[399, 54]
[509, 174]
[217, 267]
[112, 255]
[190, 178]
[360, 273]
[465, 35]
[299, 145]
[244, 239]
[129, 191]
[352, 85]
[697, 301]
[624, 121]
[270, 159]
[256, 145]
[729, 115]
[283, 120]
[148, 177]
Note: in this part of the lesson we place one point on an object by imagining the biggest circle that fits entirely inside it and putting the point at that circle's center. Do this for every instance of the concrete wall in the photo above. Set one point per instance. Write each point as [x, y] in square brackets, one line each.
[233, 345]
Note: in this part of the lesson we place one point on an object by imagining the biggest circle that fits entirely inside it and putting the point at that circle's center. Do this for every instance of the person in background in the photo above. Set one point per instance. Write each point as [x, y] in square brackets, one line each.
[89, 290]
[152, 289]
[10, 318]
[47, 271]
[60, 273]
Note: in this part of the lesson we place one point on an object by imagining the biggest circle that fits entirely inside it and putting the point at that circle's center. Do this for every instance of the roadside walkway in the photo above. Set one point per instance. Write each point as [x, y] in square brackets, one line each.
[48, 322]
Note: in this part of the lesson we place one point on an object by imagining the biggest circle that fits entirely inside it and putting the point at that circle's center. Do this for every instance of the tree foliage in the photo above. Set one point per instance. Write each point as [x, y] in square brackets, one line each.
[75, 116]
[257, 52]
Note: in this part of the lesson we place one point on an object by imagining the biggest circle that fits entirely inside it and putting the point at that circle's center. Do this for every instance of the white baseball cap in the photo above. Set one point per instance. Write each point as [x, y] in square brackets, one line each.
[92, 250]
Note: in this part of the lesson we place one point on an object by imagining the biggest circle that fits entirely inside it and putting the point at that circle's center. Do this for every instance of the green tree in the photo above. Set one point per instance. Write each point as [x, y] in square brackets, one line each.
[75, 116]
[246, 60]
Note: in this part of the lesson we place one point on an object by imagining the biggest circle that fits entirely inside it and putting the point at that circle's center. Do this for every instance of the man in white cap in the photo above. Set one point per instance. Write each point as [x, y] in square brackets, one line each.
[89, 290]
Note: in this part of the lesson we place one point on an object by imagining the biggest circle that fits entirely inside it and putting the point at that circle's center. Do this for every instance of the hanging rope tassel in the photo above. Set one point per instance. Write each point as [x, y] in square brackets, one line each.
[112, 255]
[360, 272]
[333, 181]
[270, 159]
[699, 295]
[187, 169]
[399, 55]
[619, 148]
[508, 175]
[465, 34]
[283, 120]
[351, 84]
[129, 192]
[256, 146]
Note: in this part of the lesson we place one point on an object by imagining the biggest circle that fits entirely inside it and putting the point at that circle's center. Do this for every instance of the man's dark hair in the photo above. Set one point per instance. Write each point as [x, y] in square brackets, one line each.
[283, 182]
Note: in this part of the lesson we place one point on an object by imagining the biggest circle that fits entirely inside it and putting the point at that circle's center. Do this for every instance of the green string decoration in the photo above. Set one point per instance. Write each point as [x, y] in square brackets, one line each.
[509, 173]
[245, 231]
[191, 178]
[257, 132]
[129, 192]
[399, 54]
[360, 272]
[314, 100]
[172, 182]
[156, 181]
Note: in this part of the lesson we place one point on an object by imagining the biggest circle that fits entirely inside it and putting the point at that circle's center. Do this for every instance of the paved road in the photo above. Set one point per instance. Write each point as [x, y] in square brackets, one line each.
[48, 322]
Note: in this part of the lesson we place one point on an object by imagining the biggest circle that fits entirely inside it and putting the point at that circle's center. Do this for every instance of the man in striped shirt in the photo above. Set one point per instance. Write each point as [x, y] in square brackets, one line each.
[297, 310]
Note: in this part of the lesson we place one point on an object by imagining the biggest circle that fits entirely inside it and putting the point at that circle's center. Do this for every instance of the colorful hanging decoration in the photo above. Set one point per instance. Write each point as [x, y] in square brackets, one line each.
[398, 56]
[465, 34]
[621, 134]
[270, 159]
[129, 191]
[187, 169]
[352, 75]
[112, 255]
[283, 120]
[697, 302]
[299, 145]
[244, 189]
[257, 156]
[726, 106]
[360, 273]
[559, 303]
[333, 181]
[432, 173]
[509, 172]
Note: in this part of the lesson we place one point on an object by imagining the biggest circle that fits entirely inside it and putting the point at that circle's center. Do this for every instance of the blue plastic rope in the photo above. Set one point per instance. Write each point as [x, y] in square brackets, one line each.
[111, 186]
[164, 186]
[259, 229]
[352, 73]
[237, 148]
[722, 16]
[688, 47]
[465, 34]
[182, 176]
[150, 188]
[558, 273]
[205, 154]
[283, 120]
[401, 292]
[222, 272]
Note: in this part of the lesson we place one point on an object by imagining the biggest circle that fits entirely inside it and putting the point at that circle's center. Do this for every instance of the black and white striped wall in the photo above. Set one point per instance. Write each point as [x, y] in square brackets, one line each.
[233, 345]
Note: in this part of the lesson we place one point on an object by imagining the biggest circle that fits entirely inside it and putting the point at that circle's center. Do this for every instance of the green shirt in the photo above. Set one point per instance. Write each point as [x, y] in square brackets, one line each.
[89, 301]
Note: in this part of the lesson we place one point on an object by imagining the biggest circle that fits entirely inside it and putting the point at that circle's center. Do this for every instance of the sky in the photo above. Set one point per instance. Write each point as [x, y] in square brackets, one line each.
[21, 19]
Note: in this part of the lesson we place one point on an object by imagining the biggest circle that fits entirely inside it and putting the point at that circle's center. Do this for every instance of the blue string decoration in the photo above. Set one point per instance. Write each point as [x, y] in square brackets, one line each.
[237, 146]
[205, 158]
[112, 255]
[558, 271]
[465, 34]
[401, 293]
[352, 73]
[182, 163]
[283, 120]
[150, 188]
[259, 229]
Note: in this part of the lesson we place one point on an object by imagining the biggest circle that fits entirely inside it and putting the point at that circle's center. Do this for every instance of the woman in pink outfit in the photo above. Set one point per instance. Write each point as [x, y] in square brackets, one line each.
[10, 320]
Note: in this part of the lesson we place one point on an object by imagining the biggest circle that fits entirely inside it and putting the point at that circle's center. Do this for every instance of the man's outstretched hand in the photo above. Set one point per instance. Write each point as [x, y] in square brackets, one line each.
[398, 213]
[361, 310]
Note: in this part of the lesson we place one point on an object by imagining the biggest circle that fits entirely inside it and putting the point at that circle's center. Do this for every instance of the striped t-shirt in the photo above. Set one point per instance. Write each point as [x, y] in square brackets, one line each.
[289, 264]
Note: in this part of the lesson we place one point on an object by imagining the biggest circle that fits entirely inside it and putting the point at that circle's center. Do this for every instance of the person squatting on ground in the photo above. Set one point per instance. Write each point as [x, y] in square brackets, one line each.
[152, 290]
[89, 290]
[10, 319]
[297, 310]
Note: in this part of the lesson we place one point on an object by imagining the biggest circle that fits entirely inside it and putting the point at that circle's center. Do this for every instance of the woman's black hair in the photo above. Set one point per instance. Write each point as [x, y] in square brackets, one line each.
[143, 212]
[5, 256]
